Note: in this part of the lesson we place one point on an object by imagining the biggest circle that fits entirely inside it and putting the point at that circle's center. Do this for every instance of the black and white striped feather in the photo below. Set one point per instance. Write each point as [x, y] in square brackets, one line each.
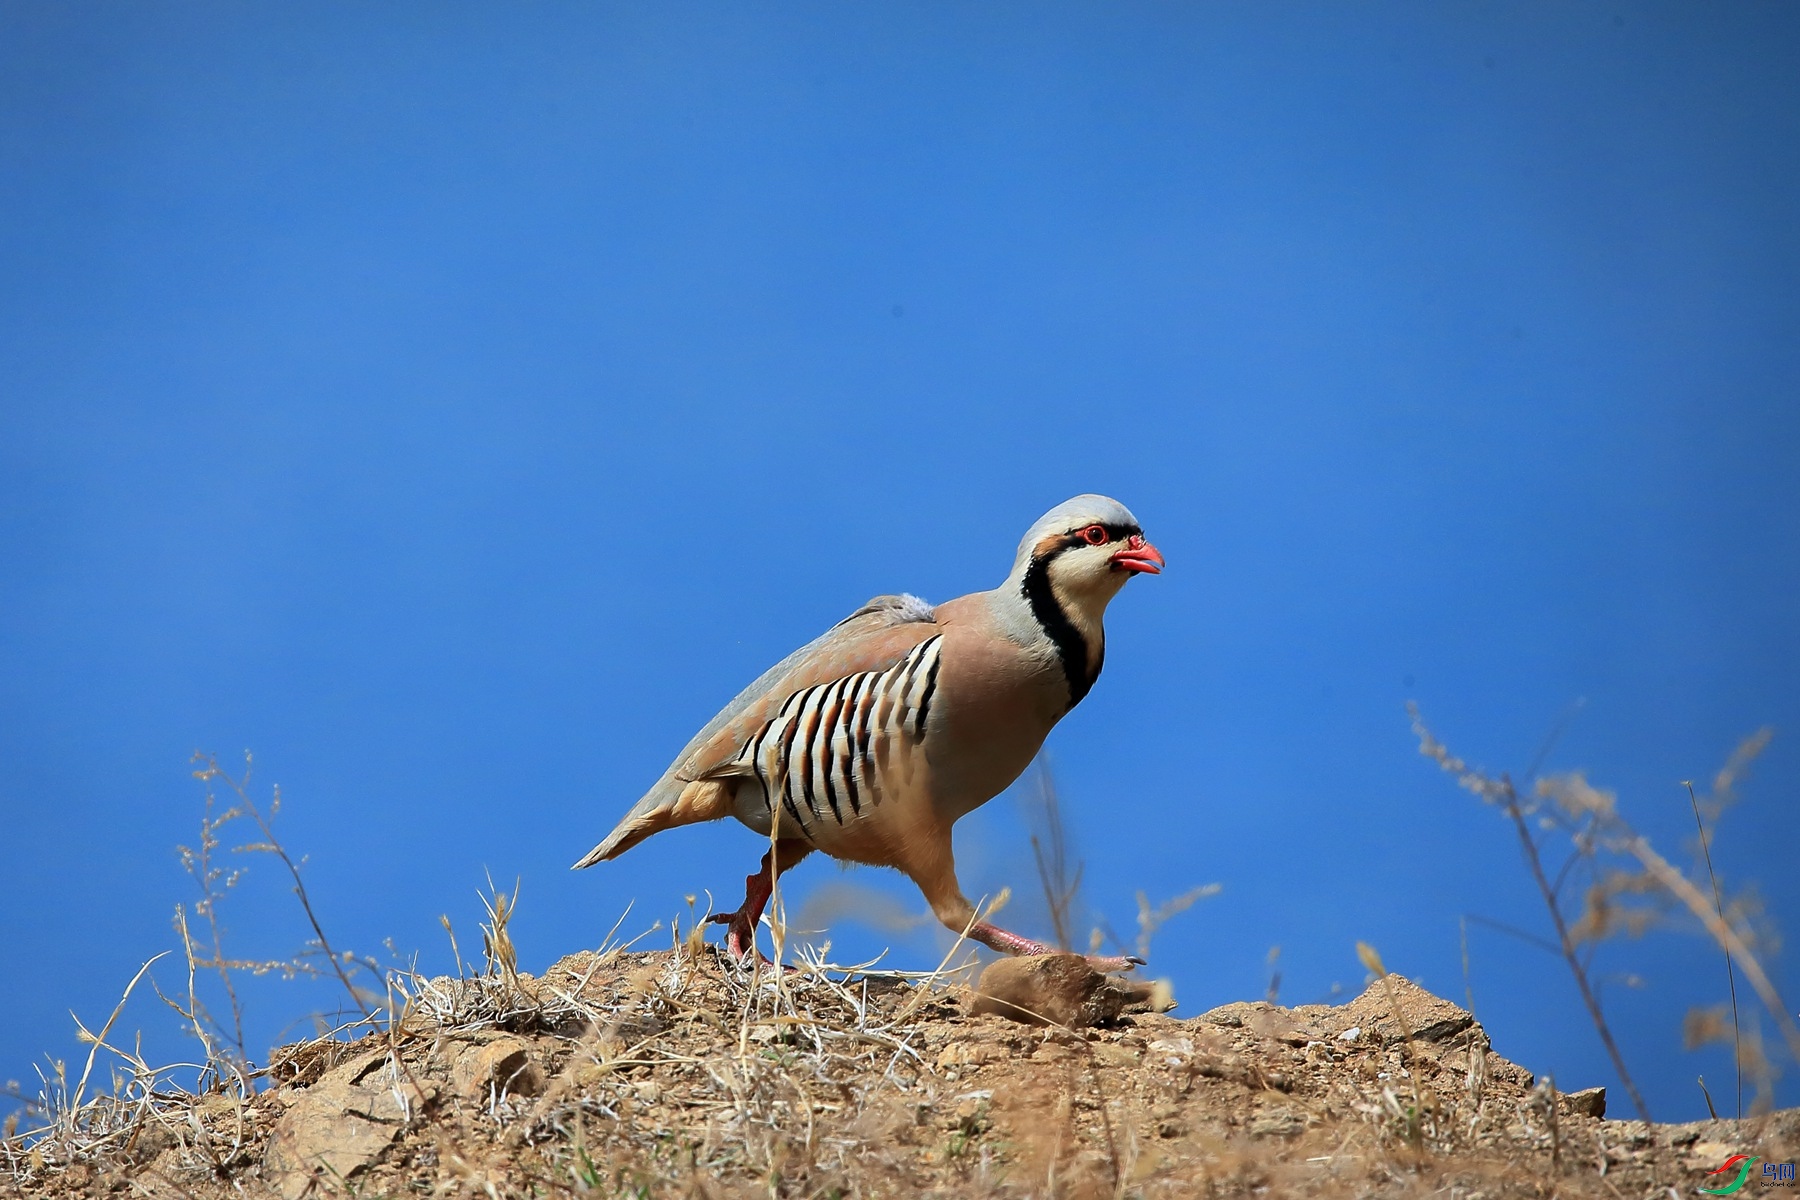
[834, 750]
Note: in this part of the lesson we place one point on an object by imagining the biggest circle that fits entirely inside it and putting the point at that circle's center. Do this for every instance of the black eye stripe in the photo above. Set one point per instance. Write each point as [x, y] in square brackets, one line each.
[1114, 533]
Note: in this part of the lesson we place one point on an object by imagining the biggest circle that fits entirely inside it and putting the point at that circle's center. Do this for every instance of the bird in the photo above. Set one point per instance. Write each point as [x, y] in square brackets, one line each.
[868, 743]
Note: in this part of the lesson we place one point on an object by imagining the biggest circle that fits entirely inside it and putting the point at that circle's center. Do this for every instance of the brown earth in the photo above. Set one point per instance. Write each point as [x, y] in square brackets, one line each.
[673, 1073]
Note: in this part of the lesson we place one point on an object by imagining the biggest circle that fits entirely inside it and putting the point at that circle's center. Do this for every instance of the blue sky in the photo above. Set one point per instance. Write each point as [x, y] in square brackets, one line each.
[456, 405]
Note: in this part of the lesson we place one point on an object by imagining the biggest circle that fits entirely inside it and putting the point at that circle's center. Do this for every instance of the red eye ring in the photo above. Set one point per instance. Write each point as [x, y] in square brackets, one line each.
[1095, 535]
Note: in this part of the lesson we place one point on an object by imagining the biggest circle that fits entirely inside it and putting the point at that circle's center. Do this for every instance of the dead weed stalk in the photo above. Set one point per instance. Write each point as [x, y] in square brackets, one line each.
[1630, 885]
[72, 1125]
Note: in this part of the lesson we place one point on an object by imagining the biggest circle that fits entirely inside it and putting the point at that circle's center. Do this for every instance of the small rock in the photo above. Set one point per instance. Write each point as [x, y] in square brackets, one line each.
[1430, 1020]
[1276, 1121]
[1350, 1034]
[1116, 1056]
[1055, 989]
[1589, 1102]
[972, 1107]
[339, 1125]
[1278, 1025]
[969, 1054]
[503, 1065]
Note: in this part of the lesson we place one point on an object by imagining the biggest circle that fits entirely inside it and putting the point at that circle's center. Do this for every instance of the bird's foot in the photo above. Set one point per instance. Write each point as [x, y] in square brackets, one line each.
[740, 941]
[740, 937]
[995, 938]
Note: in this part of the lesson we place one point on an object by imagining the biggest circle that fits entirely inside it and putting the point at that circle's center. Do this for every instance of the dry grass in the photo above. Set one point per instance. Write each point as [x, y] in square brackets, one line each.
[1630, 888]
[629, 1072]
[73, 1126]
[672, 1072]
[810, 1010]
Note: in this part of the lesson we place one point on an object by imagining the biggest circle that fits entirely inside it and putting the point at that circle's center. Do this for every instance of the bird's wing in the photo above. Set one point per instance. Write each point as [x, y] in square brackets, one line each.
[698, 786]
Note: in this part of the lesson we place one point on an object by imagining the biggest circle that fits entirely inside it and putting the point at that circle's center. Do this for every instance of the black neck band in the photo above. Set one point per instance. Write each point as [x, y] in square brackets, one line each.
[1071, 647]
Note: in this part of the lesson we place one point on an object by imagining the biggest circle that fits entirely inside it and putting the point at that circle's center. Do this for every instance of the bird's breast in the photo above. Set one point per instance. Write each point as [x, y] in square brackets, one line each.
[998, 702]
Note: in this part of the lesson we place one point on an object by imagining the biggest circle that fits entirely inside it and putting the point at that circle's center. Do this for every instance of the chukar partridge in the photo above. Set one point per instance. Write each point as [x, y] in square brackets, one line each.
[871, 741]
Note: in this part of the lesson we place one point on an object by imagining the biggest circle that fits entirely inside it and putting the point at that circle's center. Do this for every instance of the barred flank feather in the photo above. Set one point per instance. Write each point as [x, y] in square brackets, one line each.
[824, 753]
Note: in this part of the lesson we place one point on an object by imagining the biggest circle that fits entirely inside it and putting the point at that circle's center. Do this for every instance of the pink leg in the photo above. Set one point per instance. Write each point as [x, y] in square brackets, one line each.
[996, 938]
[740, 935]
[932, 867]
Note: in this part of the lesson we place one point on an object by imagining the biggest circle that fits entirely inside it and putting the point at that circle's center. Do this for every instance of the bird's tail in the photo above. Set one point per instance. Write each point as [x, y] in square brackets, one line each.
[630, 832]
[700, 800]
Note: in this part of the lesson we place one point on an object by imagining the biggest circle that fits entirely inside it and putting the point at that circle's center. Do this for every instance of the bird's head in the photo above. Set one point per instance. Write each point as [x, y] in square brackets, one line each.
[1086, 549]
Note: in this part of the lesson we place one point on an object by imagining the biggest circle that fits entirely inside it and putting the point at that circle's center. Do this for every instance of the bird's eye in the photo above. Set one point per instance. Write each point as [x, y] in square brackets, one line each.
[1095, 535]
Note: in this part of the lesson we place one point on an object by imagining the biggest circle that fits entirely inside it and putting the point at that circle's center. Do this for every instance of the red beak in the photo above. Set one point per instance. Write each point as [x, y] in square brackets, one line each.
[1138, 556]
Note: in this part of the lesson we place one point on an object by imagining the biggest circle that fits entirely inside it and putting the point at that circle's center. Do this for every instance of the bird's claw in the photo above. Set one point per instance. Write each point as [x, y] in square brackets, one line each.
[1106, 965]
[749, 959]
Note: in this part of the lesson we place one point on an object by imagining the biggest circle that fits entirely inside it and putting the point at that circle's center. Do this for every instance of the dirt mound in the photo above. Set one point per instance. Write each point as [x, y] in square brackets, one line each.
[674, 1073]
